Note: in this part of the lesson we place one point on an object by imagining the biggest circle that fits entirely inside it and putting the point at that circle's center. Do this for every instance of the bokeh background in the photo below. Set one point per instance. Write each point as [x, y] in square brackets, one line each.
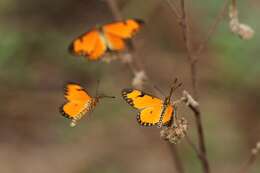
[35, 65]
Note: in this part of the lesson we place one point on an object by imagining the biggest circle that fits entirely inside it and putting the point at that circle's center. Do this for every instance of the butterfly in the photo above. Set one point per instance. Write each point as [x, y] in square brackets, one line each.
[110, 37]
[79, 102]
[153, 111]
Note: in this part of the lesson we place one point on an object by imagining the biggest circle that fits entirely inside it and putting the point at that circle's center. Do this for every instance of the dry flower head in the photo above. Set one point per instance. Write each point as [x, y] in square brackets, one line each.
[244, 31]
[174, 134]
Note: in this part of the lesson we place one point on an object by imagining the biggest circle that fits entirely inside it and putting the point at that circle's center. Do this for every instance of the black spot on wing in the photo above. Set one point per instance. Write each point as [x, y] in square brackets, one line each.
[142, 94]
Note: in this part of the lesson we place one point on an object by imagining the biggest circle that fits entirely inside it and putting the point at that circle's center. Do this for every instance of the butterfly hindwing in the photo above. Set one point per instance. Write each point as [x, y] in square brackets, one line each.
[89, 44]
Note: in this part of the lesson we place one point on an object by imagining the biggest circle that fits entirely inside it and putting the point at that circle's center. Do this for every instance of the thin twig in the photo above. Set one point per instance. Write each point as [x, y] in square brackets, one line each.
[114, 9]
[193, 66]
[186, 37]
[176, 158]
[234, 3]
[193, 146]
[174, 9]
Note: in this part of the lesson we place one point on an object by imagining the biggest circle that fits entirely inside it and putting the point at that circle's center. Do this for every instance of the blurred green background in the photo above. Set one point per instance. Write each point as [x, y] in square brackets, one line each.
[35, 65]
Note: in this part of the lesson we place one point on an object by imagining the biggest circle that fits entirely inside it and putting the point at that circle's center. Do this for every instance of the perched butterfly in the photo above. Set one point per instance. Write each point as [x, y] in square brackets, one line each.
[152, 110]
[79, 102]
[109, 37]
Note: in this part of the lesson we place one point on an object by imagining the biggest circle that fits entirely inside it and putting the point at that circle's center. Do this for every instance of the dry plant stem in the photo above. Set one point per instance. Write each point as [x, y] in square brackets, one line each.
[173, 6]
[186, 37]
[189, 141]
[234, 3]
[176, 158]
[193, 66]
[114, 9]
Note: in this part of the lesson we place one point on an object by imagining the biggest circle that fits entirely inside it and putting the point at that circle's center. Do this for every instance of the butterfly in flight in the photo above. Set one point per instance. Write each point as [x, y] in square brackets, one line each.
[153, 111]
[111, 37]
[79, 102]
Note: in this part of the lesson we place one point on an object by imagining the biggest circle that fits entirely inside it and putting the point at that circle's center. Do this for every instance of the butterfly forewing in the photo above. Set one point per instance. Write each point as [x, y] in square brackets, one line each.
[124, 29]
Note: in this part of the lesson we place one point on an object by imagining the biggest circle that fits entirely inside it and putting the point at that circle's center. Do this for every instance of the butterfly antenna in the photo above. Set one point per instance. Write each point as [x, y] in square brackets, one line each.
[106, 96]
[175, 86]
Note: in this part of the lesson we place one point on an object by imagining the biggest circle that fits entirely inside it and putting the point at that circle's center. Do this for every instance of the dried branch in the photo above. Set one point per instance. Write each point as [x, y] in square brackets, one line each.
[193, 68]
[193, 146]
[174, 9]
[112, 4]
[176, 158]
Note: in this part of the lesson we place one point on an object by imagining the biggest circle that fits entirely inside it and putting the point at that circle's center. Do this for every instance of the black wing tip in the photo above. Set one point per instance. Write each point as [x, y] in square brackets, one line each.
[139, 21]
[65, 85]
[71, 83]
[71, 48]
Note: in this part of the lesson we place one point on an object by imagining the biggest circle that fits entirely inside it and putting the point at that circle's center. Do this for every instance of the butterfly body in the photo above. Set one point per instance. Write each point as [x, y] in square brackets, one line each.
[152, 110]
[106, 38]
[87, 109]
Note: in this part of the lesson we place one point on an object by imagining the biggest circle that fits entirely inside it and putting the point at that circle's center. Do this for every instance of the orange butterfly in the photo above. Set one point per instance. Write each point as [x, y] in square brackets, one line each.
[79, 102]
[152, 110]
[109, 37]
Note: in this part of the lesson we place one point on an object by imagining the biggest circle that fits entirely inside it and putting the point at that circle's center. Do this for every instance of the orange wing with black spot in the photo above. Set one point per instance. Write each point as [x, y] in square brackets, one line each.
[95, 43]
[78, 102]
[150, 108]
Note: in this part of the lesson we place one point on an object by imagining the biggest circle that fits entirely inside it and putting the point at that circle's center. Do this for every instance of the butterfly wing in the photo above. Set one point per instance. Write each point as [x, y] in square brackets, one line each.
[90, 45]
[95, 43]
[168, 115]
[124, 29]
[150, 107]
[116, 32]
[78, 102]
